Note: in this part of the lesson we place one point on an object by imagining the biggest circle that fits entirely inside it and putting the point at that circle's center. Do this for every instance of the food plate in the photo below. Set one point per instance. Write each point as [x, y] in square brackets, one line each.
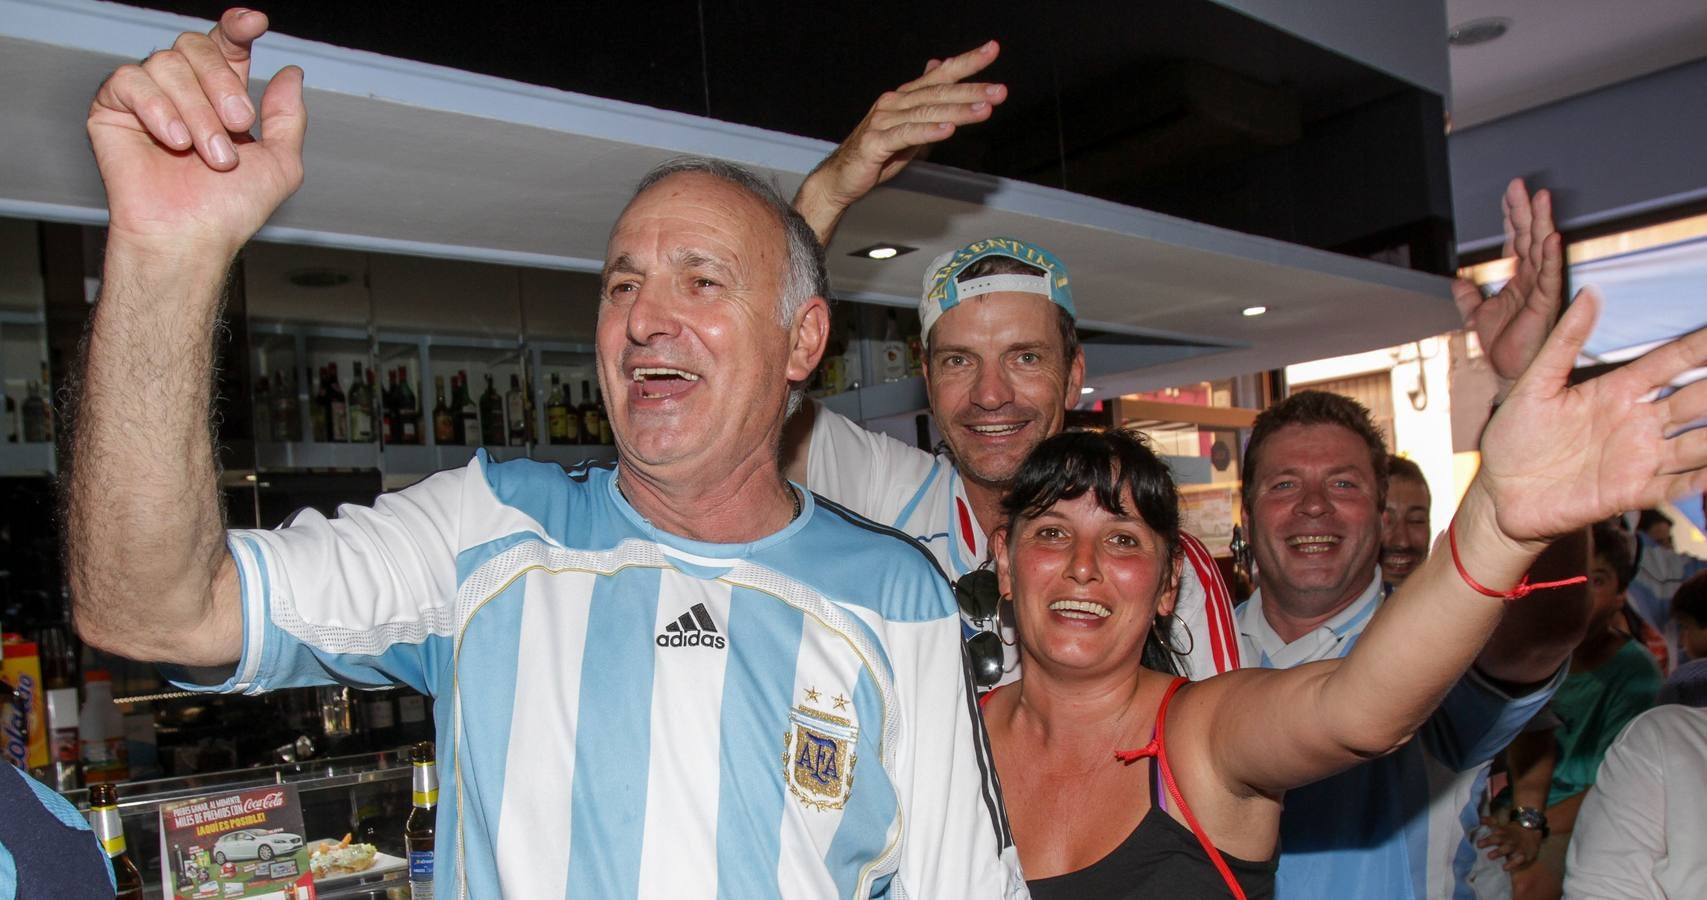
[383, 863]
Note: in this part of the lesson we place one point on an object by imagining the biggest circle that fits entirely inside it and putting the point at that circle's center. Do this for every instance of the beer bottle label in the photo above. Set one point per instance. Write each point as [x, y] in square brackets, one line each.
[109, 830]
[421, 874]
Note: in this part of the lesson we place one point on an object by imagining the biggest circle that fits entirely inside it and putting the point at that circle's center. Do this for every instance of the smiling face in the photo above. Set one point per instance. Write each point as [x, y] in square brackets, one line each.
[999, 381]
[1405, 529]
[1086, 584]
[1315, 526]
[694, 361]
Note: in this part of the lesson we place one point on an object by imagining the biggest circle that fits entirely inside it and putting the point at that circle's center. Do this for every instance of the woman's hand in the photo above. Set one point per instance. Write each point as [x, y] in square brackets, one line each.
[1558, 457]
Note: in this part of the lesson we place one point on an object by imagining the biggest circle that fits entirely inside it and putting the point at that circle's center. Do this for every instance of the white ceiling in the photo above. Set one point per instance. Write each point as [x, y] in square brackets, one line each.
[1557, 48]
[415, 159]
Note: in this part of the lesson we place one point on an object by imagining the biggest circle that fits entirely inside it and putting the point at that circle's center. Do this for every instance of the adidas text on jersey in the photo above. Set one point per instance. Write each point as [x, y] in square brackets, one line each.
[693, 628]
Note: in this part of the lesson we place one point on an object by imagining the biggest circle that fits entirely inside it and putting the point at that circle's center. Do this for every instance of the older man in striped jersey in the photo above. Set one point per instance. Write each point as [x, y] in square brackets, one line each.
[676, 677]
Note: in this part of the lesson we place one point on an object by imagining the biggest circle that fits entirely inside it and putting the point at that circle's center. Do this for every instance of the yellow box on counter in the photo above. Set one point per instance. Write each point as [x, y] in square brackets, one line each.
[25, 726]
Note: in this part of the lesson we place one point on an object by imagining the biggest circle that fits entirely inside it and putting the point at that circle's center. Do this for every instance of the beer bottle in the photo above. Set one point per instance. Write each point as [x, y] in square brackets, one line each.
[104, 816]
[418, 830]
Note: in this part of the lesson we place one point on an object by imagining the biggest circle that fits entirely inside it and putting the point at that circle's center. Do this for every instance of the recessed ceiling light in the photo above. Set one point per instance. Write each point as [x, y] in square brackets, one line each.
[883, 251]
[1478, 31]
[1254, 310]
[1087, 390]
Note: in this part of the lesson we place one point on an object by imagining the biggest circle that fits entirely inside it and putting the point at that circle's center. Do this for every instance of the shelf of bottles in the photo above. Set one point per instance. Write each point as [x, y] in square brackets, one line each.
[873, 363]
[412, 404]
[576, 427]
[29, 426]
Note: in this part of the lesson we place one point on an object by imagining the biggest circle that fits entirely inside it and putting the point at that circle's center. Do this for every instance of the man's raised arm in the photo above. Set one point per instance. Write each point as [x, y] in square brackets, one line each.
[186, 186]
[899, 125]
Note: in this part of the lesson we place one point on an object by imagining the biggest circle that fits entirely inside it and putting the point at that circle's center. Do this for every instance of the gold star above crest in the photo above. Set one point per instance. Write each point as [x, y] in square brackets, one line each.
[811, 695]
[840, 701]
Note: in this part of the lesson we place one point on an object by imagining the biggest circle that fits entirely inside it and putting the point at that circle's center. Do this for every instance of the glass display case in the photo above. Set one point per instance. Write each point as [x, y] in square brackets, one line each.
[364, 796]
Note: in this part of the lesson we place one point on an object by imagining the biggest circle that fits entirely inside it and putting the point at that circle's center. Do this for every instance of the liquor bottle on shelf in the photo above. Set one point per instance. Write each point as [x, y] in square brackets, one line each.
[418, 828]
[561, 425]
[515, 410]
[284, 421]
[337, 409]
[491, 415]
[892, 352]
[47, 403]
[589, 413]
[36, 418]
[408, 409]
[468, 432]
[361, 406]
[109, 830]
[605, 436]
[263, 407]
[444, 426]
[320, 426]
[389, 427]
[11, 420]
[529, 416]
[372, 405]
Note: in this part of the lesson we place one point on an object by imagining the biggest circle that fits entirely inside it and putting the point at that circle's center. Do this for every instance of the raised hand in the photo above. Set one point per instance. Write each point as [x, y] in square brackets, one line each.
[1513, 323]
[171, 139]
[1557, 457]
[921, 112]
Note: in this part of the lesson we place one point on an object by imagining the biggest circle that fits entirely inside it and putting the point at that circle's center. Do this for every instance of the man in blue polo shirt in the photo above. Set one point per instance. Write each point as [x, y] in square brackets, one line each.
[1397, 826]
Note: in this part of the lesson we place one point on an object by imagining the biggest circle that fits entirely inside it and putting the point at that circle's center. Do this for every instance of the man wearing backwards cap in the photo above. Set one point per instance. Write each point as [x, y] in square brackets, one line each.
[1002, 367]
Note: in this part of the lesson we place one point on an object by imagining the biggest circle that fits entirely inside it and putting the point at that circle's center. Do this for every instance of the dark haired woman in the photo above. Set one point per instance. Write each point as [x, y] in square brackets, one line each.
[1089, 558]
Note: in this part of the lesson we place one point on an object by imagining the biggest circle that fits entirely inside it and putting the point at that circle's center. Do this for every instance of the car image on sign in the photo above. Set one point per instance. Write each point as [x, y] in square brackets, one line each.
[252, 844]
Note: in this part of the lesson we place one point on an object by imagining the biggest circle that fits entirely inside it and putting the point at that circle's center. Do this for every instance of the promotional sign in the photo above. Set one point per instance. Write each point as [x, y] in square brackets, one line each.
[1206, 511]
[236, 844]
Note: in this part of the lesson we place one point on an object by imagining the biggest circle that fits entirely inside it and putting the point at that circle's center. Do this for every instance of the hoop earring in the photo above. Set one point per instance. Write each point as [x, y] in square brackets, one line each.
[1172, 632]
[1008, 601]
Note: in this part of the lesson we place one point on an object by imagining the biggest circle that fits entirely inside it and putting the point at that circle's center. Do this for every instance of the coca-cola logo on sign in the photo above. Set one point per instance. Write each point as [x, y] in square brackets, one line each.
[270, 800]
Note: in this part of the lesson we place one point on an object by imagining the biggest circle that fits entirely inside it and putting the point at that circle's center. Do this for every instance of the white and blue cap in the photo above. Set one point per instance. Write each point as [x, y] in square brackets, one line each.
[942, 291]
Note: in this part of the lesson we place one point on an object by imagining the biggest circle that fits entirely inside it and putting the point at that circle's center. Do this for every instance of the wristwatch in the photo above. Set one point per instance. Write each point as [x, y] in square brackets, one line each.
[1531, 819]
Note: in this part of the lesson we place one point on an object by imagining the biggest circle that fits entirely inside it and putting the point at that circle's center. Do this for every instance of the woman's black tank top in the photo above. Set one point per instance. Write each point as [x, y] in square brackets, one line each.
[1161, 858]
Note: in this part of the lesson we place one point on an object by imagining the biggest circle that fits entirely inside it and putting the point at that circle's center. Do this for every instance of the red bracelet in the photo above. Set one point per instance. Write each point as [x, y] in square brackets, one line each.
[1523, 588]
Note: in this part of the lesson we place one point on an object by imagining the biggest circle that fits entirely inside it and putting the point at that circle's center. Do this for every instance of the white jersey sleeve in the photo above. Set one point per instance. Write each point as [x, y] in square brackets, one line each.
[865, 471]
[957, 840]
[367, 598]
[1204, 613]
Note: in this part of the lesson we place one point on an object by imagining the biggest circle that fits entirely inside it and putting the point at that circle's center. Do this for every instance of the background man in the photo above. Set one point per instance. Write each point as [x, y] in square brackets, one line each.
[1405, 533]
[1660, 571]
[818, 737]
[1314, 490]
[1398, 826]
[1655, 526]
[1002, 367]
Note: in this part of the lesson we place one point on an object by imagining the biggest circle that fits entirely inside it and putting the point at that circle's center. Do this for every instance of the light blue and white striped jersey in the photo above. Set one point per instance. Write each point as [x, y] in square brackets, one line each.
[1396, 827]
[622, 712]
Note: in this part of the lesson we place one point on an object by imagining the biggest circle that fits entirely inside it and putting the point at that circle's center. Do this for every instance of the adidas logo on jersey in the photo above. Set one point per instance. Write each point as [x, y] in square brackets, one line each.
[693, 628]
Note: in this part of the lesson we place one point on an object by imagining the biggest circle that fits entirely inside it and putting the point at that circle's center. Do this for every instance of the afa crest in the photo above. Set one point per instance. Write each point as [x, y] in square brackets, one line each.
[818, 758]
